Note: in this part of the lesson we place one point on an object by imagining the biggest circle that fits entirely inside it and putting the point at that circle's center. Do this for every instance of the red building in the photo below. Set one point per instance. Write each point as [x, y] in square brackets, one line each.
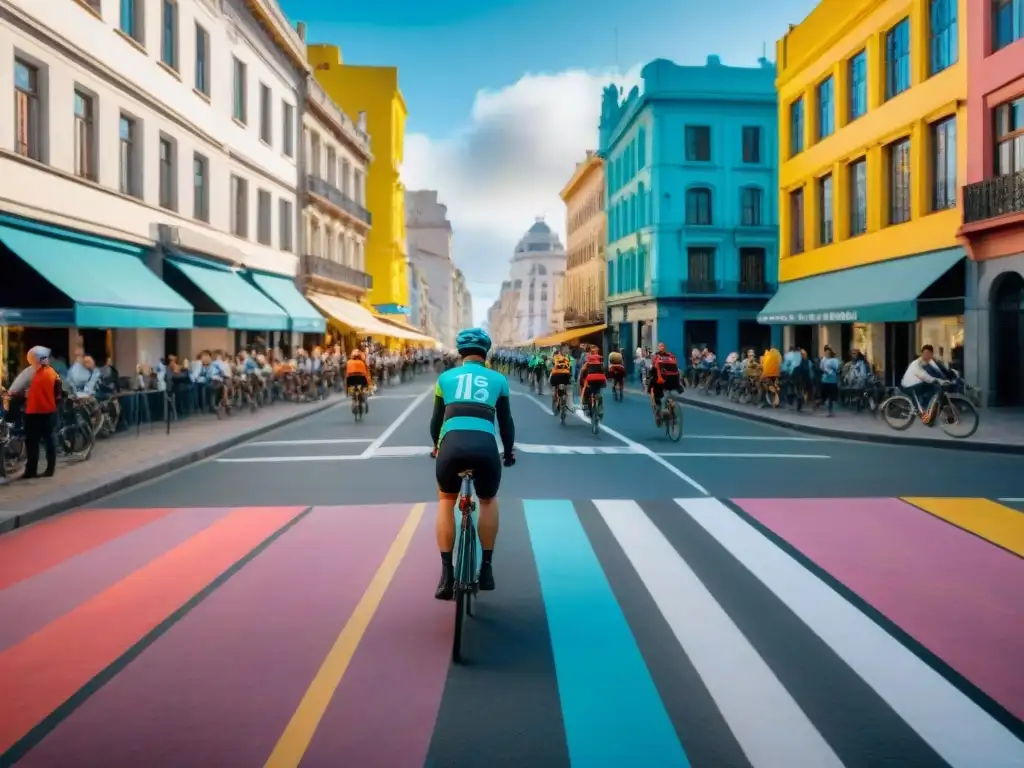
[993, 200]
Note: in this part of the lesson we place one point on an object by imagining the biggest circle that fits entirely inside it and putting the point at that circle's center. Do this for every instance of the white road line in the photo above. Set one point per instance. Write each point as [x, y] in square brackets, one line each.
[747, 455]
[279, 459]
[1015, 501]
[392, 397]
[755, 705]
[961, 732]
[757, 437]
[376, 444]
[344, 441]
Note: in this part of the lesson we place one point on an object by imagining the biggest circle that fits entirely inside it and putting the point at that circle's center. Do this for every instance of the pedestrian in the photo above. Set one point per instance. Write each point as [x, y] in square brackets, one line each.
[41, 386]
[829, 379]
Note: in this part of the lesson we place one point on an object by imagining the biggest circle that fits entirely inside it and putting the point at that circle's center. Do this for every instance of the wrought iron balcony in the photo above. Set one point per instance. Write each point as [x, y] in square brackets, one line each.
[325, 269]
[700, 286]
[994, 197]
[336, 197]
[754, 286]
[725, 288]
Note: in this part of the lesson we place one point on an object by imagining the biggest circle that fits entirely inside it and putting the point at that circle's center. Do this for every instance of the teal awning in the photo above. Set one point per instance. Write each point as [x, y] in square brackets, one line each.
[242, 306]
[304, 316]
[107, 282]
[885, 292]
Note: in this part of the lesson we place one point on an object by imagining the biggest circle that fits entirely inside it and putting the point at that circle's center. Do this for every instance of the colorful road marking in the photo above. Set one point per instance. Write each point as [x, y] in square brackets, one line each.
[1001, 525]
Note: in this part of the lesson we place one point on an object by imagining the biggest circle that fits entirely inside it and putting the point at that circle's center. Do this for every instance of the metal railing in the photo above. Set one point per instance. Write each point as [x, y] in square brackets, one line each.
[335, 196]
[994, 197]
[728, 287]
[318, 266]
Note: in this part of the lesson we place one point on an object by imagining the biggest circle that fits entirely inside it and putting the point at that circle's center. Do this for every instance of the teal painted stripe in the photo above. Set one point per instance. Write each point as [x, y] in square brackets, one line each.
[612, 711]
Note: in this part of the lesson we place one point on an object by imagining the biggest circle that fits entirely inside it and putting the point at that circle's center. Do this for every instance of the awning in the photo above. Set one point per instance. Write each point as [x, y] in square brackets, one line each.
[107, 283]
[412, 334]
[304, 317]
[570, 335]
[355, 316]
[225, 299]
[885, 292]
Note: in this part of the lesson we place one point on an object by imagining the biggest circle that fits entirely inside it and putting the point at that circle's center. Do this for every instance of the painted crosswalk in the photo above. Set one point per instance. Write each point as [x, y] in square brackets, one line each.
[697, 631]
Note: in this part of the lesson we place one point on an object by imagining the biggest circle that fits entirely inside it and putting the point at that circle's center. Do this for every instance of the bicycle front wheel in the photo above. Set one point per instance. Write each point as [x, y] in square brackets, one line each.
[674, 425]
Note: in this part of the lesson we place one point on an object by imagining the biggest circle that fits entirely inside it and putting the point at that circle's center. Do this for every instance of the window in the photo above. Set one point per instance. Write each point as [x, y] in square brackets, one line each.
[899, 181]
[169, 35]
[266, 115]
[698, 143]
[202, 61]
[167, 174]
[698, 206]
[85, 135]
[825, 218]
[796, 221]
[131, 19]
[897, 59]
[944, 189]
[200, 188]
[27, 133]
[1009, 150]
[641, 148]
[826, 108]
[700, 268]
[240, 108]
[129, 171]
[239, 206]
[943, 47]
[858, 172]
[750, 207]
[751, 144]
[263, 217]
[288, 128]
[752, 270]
[284, 227]
[858, 85]
[332, 167]
[1007, 22]
[357, 186]
[796, 127]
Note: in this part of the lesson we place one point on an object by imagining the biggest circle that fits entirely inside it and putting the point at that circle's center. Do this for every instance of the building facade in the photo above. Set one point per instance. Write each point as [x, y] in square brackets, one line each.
[872, 130]
[993, 205]
[537, 258]
[429, 243]
[585, 234]
[557, 322]
[692, 225]
[462, 312]
[501, 317]
[374, 91]
[139, 126]
[420, 315]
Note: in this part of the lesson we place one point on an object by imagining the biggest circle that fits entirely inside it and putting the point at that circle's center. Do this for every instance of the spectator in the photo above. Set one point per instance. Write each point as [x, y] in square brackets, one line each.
[40, 384]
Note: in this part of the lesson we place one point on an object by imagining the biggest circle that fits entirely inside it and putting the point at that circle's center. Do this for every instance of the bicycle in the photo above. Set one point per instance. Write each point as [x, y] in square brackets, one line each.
[771, 392]
[595, 408]
[359, 402]
[672, 420]
[561, 403]
[618, 387]
[900, 410]
[75, 435]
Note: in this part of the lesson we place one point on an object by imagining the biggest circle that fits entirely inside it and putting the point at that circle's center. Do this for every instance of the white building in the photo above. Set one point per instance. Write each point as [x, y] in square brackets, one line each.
[134, 114]
[538, 257]
[557, 321]
[462, 310]
[429, 240]
[501, 317]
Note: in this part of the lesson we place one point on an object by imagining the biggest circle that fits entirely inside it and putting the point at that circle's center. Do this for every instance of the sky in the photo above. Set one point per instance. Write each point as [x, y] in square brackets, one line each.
[504, 96]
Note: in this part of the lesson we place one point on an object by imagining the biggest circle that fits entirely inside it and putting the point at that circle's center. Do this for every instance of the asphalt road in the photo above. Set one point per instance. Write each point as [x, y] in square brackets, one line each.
[744, 597]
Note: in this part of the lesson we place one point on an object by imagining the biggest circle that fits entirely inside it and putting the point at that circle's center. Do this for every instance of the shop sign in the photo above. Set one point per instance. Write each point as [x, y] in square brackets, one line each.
[832, 316]
[11, 314]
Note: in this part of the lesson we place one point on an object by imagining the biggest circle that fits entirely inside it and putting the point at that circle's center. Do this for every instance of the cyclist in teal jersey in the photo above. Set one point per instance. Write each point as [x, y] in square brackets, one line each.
[467, 401]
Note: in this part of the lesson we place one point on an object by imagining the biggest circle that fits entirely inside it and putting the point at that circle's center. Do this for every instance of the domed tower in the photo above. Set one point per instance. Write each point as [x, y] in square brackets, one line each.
[538, 260]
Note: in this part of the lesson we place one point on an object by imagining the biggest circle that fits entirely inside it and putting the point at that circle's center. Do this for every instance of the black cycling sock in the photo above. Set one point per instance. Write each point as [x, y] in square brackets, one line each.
[446, 558]
[488, 553]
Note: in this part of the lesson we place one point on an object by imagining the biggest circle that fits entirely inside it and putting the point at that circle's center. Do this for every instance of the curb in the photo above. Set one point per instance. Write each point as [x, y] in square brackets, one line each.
[139, 476]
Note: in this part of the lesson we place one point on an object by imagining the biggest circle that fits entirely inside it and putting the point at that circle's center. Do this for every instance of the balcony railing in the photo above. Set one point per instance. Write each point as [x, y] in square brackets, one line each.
[336, 197]
[745, 287]
[753, 285]
[994, 197]
[700, 286]
[319, 97]
[318, 266]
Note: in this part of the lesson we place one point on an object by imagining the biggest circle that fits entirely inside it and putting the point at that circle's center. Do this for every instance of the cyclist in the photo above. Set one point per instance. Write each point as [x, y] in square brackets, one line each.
[357, 374]
[561, 374]
[467, 400]
[664, 376]
[592, 375]
[616, 369]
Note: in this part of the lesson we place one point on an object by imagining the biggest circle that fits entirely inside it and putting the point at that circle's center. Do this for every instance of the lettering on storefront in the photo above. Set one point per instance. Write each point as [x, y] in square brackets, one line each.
[837, 316]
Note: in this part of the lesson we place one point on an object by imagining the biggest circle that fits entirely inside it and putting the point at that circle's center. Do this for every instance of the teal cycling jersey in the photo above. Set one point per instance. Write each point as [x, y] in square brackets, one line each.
[469, 398]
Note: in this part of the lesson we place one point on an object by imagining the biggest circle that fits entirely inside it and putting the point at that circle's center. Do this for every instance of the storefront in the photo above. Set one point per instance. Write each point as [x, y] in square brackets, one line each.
[886, 310]
[995, 330]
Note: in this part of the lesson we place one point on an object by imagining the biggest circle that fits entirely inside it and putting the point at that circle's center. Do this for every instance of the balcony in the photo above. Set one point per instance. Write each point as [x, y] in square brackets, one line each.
[755, 286]
[700, 286]
[338, 199]
[325, 269]
[728, 288]
[991, 198]
[345, 125]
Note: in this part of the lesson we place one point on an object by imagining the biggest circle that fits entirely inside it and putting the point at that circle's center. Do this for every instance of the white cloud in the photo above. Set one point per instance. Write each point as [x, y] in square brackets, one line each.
[508, 164]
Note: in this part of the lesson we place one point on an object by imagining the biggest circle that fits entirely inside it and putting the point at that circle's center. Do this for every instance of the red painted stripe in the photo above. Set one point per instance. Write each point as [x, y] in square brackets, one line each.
[384, 711]
[36, 548]
[46, 669]
[954, 593]
[219, 688]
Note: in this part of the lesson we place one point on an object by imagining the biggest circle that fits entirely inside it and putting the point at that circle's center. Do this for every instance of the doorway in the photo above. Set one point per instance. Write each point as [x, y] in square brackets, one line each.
[1007, 340]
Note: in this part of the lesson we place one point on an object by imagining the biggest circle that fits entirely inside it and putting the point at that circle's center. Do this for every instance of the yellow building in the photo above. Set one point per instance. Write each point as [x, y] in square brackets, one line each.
[872, 134]
[585, 282]
[374, 91]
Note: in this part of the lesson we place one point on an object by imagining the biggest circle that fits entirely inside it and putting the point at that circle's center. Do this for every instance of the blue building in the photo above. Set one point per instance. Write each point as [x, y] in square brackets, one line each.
[691, 169]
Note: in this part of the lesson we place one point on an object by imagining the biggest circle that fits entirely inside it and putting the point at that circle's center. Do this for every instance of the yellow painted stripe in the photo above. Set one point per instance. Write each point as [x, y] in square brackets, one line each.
[300, 729]
[987, 519]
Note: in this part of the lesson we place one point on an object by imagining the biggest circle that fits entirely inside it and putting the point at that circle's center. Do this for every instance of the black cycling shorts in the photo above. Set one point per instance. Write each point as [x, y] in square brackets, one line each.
[560, 378]
[356, 381]
[477, 451]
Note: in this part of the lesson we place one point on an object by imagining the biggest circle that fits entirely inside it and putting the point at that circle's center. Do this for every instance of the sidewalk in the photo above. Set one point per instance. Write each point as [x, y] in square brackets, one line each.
[126, 460]
[1001, 430]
